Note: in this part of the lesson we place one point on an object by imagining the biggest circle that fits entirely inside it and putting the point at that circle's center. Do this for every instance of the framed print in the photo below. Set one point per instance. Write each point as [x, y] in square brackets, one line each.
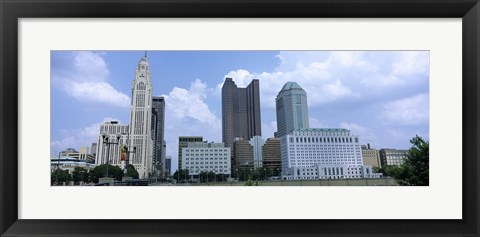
[80, 51]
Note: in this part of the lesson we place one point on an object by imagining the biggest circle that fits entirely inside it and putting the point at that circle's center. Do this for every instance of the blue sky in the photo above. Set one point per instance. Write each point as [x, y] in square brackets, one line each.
[383, 96]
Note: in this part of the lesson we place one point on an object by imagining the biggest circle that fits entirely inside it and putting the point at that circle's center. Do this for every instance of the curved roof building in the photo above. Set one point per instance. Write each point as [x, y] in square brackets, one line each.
[291, 109]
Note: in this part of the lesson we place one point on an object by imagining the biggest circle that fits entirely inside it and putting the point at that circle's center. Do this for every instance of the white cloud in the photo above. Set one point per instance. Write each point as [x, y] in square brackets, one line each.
[338, 75]
[85, 79]
[412, 63]
[101, 92]
[315, 123]
[78, 137]
[188, 114]
[366, 135]
[408, 111]
[182, 103]
[268, 129]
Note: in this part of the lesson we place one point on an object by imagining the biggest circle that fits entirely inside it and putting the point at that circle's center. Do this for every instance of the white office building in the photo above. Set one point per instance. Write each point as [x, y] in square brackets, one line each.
[205, 157]
[111, 150]
[314, 153]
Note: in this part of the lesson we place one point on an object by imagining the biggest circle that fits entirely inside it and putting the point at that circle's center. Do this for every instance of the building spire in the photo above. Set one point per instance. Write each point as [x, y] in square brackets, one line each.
[145, 54]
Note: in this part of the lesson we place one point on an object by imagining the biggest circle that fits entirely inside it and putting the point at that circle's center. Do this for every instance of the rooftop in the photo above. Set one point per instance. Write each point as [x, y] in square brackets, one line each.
[322, 129]
[290, 86]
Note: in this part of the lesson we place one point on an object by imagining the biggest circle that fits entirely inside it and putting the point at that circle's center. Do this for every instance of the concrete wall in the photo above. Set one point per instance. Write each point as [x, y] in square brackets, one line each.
[340, 182]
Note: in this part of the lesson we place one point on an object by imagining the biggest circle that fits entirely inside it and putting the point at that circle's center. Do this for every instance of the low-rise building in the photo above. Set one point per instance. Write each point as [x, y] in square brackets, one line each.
[392, 156]
[316, 153]
[271, 155]
[206, 157]
[371, 156]
[69, 164]
[242, 153]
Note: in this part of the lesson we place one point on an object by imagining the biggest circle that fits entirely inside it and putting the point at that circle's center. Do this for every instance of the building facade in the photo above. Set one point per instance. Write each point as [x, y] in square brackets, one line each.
[371, 156]
[271, 156]
[240, 111]
[242, 153]
[158, 131]
[182, 143]
[69, 164]
[168, 166]
[392, 156]
[206, 157]
[291, 109]
[257, 143]
[314, 153]
[93, 149]
[111, 152]
[82, 154]
[141, 120]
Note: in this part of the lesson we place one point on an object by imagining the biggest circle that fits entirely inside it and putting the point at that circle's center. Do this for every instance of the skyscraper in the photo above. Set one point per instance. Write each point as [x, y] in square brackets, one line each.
[291, 108]
[141, 119]
[158, 127]
[240, 111]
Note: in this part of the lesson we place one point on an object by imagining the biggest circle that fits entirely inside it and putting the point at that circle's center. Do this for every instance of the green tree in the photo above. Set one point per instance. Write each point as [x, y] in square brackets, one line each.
[101, 170]
[242, 173]
[220, 177]
[80, 174]
[181, 175]
[415, 169]
[61, 175]
[132, 172]
[250, 182]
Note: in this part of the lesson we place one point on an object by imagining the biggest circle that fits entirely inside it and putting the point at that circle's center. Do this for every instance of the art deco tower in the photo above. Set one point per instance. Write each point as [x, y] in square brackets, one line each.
[240, 111]
[140, 120]
[291, 108]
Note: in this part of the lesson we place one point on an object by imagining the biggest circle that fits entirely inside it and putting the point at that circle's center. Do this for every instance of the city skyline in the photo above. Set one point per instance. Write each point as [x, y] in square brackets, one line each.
[375, 94]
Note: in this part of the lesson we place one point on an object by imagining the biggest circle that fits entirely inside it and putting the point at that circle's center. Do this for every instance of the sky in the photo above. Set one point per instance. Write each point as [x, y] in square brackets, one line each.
[382, 96]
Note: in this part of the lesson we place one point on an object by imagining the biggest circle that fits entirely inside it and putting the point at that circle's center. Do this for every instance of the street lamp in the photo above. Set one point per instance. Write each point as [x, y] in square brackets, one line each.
[126, 161]
[106, 142]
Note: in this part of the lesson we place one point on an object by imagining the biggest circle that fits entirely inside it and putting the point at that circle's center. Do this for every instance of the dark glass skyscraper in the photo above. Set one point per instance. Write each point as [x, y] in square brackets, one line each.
[158, 126]
[240, 111]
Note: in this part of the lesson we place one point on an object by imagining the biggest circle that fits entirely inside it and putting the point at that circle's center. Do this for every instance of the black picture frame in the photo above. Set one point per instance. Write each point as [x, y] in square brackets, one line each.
[11, 11]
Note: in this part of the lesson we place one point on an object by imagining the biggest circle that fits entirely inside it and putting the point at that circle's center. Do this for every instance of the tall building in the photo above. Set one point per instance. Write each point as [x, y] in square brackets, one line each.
[240, 111]
[371, 156]
[314, 153]
[271, 156]
[158, 128]
[392, 156]
[182, 143]
[141, 120]
[111, 152]
[168, 166]
[206, 157]
[291, 109]
[93, 149]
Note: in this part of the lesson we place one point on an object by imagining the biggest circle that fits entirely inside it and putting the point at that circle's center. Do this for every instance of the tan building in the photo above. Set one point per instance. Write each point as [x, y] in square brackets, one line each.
[272, 156]
[242, 153]
[371, 156]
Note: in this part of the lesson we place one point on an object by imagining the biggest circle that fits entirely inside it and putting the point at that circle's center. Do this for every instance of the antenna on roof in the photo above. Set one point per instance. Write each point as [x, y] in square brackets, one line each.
[145, 54]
